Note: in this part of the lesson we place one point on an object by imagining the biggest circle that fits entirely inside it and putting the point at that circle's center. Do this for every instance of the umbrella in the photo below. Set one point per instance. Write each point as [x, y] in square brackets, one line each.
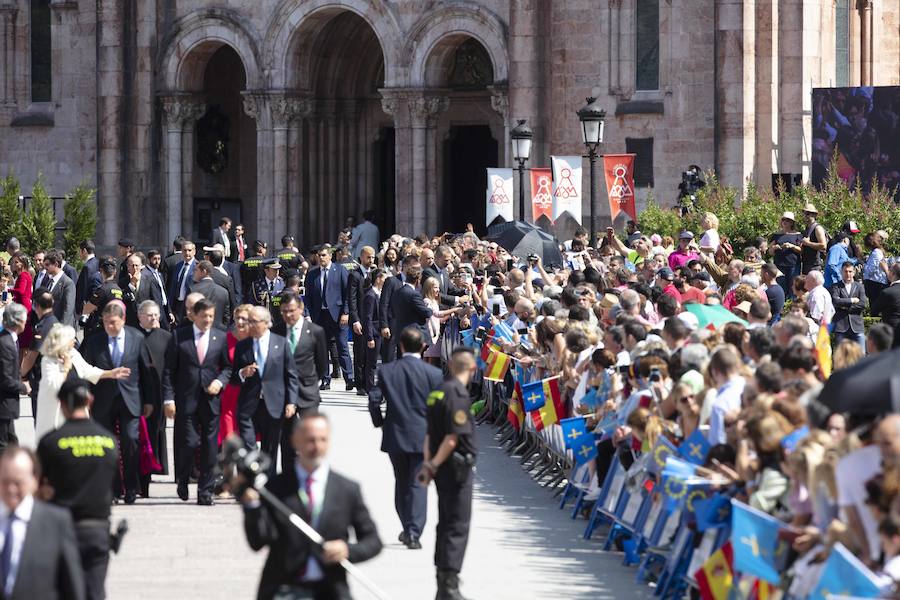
[520, 239]
[712, 314]
[871, 387]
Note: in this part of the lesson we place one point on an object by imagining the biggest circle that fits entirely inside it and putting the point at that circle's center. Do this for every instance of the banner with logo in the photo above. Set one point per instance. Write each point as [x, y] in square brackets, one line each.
[619, 171]
[499, 195]
[541, 194]
[566, 186]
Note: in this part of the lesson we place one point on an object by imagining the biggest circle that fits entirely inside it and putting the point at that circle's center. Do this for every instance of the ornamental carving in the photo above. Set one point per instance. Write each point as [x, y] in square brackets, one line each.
[180, 110]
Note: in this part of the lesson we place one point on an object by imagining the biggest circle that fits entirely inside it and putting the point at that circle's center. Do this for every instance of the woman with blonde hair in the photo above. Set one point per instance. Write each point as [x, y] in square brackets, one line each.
[431, 294]
[61, 362]
[847, 354]
[709, 243]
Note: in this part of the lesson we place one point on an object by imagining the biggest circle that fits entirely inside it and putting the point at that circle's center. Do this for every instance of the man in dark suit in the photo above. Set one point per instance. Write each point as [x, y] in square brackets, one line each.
[61, 287]
[849, 299]
[306, 342]
[409, 308]
[220, 235]
[224, 273]
[141, 286]
[44, 551]
[67, 268]
[267, 374]
[156, 340]
[329, 502]
[40, 273]
[197, 370]
[120, 401]
[327, 291]
[11, 384]
[212, 291]
[170, 263]
[450, 295]
[371, 334]
[181, 278]
[90, 268]
[359, 284]
[386, 309]
[887, 305]
[404, 385]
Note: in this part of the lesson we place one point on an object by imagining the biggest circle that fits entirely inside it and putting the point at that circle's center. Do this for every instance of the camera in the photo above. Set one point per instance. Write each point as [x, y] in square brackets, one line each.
[532, 258]
[242, 467]
[655, 375]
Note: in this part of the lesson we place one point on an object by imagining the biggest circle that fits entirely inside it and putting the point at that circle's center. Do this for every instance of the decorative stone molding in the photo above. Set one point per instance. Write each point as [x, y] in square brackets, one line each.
[500, 102]
[286, 109]
[180, 109]
[64, 4]
[424, 110]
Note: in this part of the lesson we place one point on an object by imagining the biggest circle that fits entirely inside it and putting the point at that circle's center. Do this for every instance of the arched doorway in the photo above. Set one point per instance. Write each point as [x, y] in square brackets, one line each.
[224, 161]
[342, 147]
[472, 130]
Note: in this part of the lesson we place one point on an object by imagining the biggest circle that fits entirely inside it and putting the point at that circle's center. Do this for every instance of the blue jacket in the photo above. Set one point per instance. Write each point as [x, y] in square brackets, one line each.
[337, 288]
[403, 385]
[837, 256]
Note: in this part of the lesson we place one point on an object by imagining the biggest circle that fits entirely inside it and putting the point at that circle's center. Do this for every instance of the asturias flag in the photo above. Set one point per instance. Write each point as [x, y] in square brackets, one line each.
[844, 575]
[714, 578]
[695, 448]
[754, 536]
[550, 406]
[578, 439]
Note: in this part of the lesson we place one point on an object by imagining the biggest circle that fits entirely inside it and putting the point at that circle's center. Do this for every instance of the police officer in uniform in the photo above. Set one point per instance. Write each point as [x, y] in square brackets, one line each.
[291, 286]
[268, 286]
[449, 458]
[108, 290]
[79, 462]
[250, 268]
[288, 255]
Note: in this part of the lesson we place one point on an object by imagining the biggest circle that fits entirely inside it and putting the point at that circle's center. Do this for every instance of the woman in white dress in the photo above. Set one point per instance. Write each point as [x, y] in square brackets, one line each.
[60, 361]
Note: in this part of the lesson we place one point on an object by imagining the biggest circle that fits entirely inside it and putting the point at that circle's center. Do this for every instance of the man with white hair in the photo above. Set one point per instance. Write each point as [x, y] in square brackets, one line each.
[11, 384]
[821, 308]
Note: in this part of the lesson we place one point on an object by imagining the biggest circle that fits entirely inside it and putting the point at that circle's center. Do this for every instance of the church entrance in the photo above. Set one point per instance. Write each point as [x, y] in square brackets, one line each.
[469, 151]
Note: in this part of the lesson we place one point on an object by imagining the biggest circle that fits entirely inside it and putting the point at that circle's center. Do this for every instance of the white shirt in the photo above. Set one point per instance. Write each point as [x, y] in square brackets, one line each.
[225, 244]
[851, 474]
[261, 349]
[320, 479]
[820, 304]
[54, 279]
[728, 398]
[710, 239]
[19, 529]
[39, 278]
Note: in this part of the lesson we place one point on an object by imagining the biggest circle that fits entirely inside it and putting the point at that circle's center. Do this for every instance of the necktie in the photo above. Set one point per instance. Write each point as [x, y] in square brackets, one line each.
[116, 353]
[310, 499]
[6, 555]
[201, 346]
[271, 286]
[324, 287]
[182, 292]
[260, 361]
[292, 340]
[52, 283]
[240, 247]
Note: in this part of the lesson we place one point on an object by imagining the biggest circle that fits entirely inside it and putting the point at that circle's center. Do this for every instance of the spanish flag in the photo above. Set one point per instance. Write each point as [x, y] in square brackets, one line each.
[488, 347]
[552, 410]
[823, 350]
[515, 415]
[715, 577]
[497, 366]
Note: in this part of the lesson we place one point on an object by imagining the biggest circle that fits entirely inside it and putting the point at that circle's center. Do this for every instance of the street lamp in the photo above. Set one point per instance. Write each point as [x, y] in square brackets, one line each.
[592, 121]
[521, 142]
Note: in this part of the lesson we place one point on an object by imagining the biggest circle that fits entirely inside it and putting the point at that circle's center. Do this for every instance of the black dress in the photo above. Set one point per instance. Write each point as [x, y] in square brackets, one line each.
[156, 341]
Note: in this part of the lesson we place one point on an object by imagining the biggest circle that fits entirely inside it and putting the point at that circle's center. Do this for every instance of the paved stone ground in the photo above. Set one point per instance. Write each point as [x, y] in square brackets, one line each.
[520, 545]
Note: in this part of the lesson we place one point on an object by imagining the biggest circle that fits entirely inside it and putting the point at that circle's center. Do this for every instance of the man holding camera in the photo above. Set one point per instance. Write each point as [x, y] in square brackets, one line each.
[449, 457]
[295, 567]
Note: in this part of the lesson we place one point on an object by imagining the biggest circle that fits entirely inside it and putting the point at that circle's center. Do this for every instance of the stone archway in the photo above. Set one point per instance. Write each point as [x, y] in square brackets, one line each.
[197, 39]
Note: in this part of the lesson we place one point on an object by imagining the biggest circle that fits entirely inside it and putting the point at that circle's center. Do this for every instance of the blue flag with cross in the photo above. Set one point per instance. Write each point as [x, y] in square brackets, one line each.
[578, 439]
[754, 537]
[468, 337]
[844, 575]
[712, 512]
[695, 448]
[533, 395]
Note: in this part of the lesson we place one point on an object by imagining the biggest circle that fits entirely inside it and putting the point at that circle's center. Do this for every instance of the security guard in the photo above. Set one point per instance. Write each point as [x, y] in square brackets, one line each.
[79, 462]
[449, 458]
[102, 295]
[268, 286]
[288, 255]
[250, 268]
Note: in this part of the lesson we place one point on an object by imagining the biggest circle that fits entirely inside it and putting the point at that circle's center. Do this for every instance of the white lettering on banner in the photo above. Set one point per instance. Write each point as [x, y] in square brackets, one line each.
[499, 195]
[566, 186]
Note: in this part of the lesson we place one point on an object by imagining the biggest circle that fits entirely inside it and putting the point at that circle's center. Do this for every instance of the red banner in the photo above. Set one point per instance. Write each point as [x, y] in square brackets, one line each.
[619, 171]
[541, 194]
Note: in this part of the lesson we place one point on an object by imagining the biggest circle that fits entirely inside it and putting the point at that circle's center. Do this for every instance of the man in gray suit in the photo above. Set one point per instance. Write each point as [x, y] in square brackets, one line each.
[849, 299]
[212, 291]
[61, 288]
[365, 234]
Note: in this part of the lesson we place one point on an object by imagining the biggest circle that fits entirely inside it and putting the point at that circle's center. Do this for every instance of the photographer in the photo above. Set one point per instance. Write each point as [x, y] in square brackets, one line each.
[295, 567]
[79, 462]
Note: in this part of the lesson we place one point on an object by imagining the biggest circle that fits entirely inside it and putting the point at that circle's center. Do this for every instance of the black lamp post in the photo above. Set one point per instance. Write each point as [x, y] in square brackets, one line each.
[592, 121]
[521, 144]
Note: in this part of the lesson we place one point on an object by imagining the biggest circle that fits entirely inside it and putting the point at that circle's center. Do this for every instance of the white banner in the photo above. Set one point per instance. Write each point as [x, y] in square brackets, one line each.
[566, 186]
[499, 195]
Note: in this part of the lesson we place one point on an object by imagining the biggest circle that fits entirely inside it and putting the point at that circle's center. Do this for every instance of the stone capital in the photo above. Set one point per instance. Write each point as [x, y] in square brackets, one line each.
[286, 109]
[181, 109]
[424, 110]
[863, 5]
[615, 4]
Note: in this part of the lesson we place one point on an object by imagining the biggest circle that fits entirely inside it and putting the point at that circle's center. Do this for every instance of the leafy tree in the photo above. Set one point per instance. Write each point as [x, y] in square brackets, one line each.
[39, 223]
[80, 220]
[10, 211]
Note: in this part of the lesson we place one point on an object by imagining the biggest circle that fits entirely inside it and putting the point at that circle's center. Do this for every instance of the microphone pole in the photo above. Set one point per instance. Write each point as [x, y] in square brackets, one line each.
[307, 530]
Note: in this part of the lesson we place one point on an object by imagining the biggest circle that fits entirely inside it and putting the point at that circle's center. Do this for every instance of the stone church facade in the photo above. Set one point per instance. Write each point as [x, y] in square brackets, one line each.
[293, 115]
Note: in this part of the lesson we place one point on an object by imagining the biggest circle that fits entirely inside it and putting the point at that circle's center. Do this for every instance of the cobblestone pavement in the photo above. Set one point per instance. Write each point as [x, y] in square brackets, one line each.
[520, 545]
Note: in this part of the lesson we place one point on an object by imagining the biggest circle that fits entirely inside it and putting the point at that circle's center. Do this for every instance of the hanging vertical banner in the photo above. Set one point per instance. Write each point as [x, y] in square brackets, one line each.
[541, 194]
[566, 186]
[499, 195]
[619, 171]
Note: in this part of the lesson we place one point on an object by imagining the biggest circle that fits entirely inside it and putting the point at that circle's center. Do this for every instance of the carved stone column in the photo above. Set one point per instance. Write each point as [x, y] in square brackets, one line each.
[286, 110]
[180, 110]
[8, 13]
[425, 113]
[865, 40]
[257, 105]
[395, 102]
[500, 104]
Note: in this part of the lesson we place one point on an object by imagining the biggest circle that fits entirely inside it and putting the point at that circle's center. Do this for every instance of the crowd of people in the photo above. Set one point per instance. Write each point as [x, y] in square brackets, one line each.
[666, 338]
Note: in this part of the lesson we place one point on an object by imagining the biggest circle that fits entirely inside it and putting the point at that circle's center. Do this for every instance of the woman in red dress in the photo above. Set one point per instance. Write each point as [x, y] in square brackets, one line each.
[229, 397]
[21, 289]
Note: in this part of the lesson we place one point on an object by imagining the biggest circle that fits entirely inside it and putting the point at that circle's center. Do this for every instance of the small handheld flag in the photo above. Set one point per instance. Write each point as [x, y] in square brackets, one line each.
[497, 366]
[754, 536]
[695, 448]
[552, 409]
[844, 575]
[713, 512]
[578, 440]
[660, 452]
[823, 349]
[714, 578]
[533, 395]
